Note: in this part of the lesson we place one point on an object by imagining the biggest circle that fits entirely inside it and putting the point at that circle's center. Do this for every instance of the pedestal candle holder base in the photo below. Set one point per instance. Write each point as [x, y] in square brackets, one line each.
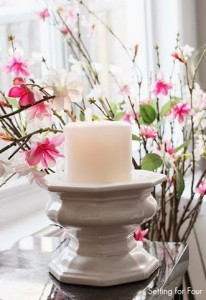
[101, 221]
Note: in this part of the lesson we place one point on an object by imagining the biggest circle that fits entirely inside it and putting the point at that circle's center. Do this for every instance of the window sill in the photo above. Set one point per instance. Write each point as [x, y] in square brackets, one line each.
[14, 231]
[22, 211]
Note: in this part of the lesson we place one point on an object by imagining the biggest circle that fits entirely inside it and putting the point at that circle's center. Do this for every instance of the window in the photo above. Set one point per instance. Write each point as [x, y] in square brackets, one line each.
[17, 18]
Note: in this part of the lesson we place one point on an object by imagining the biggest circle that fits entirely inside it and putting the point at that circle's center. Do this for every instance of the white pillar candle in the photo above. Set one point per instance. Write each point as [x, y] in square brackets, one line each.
[98, 152]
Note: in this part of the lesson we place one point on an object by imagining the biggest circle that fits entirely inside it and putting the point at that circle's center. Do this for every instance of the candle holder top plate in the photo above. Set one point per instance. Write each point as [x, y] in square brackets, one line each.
[141, 179]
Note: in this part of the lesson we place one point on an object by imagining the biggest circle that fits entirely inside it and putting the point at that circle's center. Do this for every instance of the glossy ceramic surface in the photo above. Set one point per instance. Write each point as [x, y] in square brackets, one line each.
[101, 221]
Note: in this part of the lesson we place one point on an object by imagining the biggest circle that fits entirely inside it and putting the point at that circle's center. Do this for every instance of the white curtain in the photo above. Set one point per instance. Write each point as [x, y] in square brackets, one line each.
[164, 19]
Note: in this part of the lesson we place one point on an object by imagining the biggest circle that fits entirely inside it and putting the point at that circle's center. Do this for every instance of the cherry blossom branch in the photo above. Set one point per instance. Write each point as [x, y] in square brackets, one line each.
[192, 221]
[184, 215]
[28, 136]
[7, 179]
[80, 107]
[193, 158]
[137, 70]
[93, 101]
[85, 55]
[82, 67]
[157, 56]
[163, 211]
[70, 44]
[71, 116]
[9, 122]
[19, 148]
[59, 117]
[5, 116]
[138, 124]
[197, 67]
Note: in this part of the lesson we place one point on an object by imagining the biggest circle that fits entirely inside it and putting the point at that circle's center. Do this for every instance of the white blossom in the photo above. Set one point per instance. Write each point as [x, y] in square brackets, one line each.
[186, 51]
[33, 175]
[66, 86]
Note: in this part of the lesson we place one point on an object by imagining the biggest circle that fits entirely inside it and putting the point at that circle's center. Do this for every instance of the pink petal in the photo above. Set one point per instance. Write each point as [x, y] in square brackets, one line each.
[18, 81]
[15, 92]
[50, 161]
[31, 112]
[44, 162]
[23, 71]
[57, 139]
[32, 157]
[26, 99]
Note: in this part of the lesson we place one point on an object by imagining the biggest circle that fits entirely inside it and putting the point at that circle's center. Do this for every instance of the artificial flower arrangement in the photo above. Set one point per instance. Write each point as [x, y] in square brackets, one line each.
[168, 126]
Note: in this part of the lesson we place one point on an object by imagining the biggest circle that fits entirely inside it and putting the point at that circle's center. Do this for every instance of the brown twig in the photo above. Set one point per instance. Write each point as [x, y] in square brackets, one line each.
[16, 141]
[17, 111]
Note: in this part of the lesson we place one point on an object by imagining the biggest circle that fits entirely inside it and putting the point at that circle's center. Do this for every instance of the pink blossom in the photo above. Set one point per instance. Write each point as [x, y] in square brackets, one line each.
[18, 81]
[148, 132]
[25, 95]
[183, 53]
[127, 118]
[18, 67]
[180, 111]
[44, 152]
[65, 30]
[39, 111]
[202, 188]
[161, 87]
[140, 234]
[177, 56]
[72, 17]
[124, 90]
[43, 14]
[169, 149]
[167, 152]
[170, 181]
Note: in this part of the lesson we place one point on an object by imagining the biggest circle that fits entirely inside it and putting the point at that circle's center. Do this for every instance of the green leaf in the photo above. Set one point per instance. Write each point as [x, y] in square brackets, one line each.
[168, 106]
[203, 154]
[82, 117]
[114, 107]
[147, 113]
[13, 102]
[180, 184]
[181, 146]
[95, 118]
[119, 115]
[151, 162]
[136, 138]
[177, 99]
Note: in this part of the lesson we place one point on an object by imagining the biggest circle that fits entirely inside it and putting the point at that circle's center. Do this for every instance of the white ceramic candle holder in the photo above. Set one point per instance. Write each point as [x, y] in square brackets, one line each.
[101, 221]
